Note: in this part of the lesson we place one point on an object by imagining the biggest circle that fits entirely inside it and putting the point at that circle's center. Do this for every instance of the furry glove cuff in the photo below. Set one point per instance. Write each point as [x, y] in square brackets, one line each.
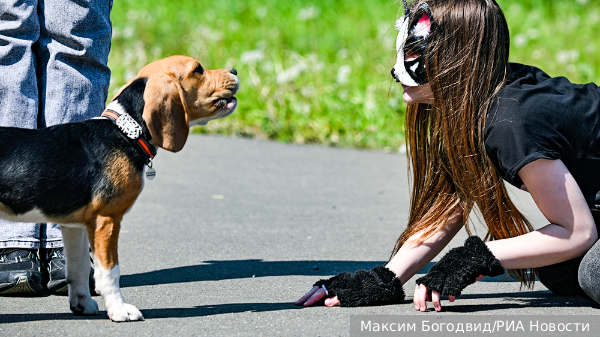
[377, 286]
[461, 267]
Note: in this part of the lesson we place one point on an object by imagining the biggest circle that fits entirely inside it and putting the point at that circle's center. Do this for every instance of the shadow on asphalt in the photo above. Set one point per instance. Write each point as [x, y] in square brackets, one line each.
[218, 309]
[539, 299]
[524, 300]
[238, 269]
[19, 318]
[198, 311]
[517, 300]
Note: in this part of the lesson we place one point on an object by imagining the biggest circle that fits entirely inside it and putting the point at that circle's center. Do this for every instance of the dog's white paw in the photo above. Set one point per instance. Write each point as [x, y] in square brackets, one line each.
[124, 313]
[83, 305]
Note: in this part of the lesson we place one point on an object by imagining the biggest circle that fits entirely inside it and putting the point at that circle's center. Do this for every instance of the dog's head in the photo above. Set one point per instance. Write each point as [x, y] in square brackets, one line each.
[180, 92]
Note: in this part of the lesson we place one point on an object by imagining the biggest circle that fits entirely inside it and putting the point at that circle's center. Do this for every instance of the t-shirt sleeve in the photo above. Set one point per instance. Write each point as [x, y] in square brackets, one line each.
[518, 137]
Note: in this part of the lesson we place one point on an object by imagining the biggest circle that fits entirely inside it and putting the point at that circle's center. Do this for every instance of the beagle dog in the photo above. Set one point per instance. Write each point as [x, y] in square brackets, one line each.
[87, 175]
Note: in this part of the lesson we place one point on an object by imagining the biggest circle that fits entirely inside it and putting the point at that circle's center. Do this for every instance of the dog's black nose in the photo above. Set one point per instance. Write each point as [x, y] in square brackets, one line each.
[233, 71]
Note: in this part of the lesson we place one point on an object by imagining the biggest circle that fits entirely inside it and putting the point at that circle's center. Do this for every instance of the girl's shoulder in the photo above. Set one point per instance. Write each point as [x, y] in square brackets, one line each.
[529, 89]
[538, 116]
[531, 95]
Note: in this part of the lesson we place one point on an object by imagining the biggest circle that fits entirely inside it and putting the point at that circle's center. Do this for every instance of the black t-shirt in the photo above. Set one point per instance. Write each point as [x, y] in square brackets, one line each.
[537, 116]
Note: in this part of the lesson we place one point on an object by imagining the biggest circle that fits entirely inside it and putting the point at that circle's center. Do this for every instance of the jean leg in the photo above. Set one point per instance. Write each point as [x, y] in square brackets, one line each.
[19, 235]
[589, 272]
[19, 31]
[50, 236]
[74, 47]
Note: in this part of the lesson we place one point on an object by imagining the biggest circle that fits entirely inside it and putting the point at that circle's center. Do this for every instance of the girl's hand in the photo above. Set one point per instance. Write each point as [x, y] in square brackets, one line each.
[460, 267]
[315, 295]
[378, 286]
[421, 297]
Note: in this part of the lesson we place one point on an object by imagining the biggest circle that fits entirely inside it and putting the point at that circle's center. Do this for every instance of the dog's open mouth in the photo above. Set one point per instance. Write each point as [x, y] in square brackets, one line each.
[226, 103]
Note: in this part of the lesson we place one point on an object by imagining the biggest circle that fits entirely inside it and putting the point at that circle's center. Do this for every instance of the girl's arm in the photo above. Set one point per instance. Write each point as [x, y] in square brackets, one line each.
[408, 261]
[572, 231]
[412, 257]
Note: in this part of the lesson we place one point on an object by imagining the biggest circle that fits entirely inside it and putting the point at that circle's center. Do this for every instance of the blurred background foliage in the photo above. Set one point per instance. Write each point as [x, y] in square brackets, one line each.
[319, 72]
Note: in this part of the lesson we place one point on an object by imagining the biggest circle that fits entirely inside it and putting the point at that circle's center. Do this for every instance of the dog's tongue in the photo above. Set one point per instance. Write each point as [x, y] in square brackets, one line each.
[231, 104]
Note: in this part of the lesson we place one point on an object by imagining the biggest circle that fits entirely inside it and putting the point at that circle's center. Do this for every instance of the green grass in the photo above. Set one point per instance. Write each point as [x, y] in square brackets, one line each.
[318, 72]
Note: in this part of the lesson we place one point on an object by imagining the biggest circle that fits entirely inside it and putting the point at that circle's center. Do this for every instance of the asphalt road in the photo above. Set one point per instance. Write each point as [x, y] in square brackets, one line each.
[232, 231]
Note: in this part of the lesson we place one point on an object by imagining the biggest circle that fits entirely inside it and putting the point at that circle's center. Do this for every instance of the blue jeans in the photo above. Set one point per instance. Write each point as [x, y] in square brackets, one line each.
[53, 70]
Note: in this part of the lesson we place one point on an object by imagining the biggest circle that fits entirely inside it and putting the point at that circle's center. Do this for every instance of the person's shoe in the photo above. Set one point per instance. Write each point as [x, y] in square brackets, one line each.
[20, 272]
[53, 260]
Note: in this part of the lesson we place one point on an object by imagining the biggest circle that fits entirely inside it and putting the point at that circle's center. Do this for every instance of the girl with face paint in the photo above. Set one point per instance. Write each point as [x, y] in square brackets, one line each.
[473, 121]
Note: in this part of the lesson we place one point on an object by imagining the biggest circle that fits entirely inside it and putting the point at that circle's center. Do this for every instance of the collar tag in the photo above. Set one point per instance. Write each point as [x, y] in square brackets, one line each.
[150, 172]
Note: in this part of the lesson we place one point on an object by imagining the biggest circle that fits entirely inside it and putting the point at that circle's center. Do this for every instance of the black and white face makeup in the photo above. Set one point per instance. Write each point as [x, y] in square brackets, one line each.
[412, 45]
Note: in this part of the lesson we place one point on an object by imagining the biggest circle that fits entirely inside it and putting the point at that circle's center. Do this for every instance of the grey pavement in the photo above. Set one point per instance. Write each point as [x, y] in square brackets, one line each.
[232, 231]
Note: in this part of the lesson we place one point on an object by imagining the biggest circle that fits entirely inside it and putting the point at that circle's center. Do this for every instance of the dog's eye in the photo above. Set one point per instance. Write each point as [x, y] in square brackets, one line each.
[199, 70]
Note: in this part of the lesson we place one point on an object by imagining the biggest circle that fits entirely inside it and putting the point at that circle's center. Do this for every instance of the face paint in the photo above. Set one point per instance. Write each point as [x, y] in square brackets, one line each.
[412, 45]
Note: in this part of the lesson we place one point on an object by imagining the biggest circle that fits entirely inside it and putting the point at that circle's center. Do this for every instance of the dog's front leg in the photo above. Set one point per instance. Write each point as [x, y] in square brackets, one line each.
[105, 235]
[78, 270]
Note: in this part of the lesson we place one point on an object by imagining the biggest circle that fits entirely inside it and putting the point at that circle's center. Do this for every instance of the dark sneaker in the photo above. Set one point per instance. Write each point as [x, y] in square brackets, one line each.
[54, 263]
[20, 272]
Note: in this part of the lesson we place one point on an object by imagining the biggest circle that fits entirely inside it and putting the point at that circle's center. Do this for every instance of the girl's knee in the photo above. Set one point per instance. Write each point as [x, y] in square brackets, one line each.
[562, 278]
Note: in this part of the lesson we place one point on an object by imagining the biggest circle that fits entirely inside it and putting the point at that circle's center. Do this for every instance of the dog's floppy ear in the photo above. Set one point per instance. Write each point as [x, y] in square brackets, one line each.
[122, 88]
[165, 113]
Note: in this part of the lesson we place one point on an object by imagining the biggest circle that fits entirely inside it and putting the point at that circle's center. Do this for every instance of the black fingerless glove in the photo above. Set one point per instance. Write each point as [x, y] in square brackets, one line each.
[377, 286]
[461, 267]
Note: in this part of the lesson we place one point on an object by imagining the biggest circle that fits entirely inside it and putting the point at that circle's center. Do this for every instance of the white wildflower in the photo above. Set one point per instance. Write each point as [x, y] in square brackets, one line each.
[307, 13]
[252, 56]
[343, 73]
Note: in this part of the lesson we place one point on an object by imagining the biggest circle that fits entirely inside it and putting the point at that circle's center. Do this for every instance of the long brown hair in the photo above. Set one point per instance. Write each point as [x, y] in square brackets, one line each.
[467, 65]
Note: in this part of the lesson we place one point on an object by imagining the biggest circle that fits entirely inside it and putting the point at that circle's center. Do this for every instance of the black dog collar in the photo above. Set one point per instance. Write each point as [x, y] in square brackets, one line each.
[115, 113]
[130, 128]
